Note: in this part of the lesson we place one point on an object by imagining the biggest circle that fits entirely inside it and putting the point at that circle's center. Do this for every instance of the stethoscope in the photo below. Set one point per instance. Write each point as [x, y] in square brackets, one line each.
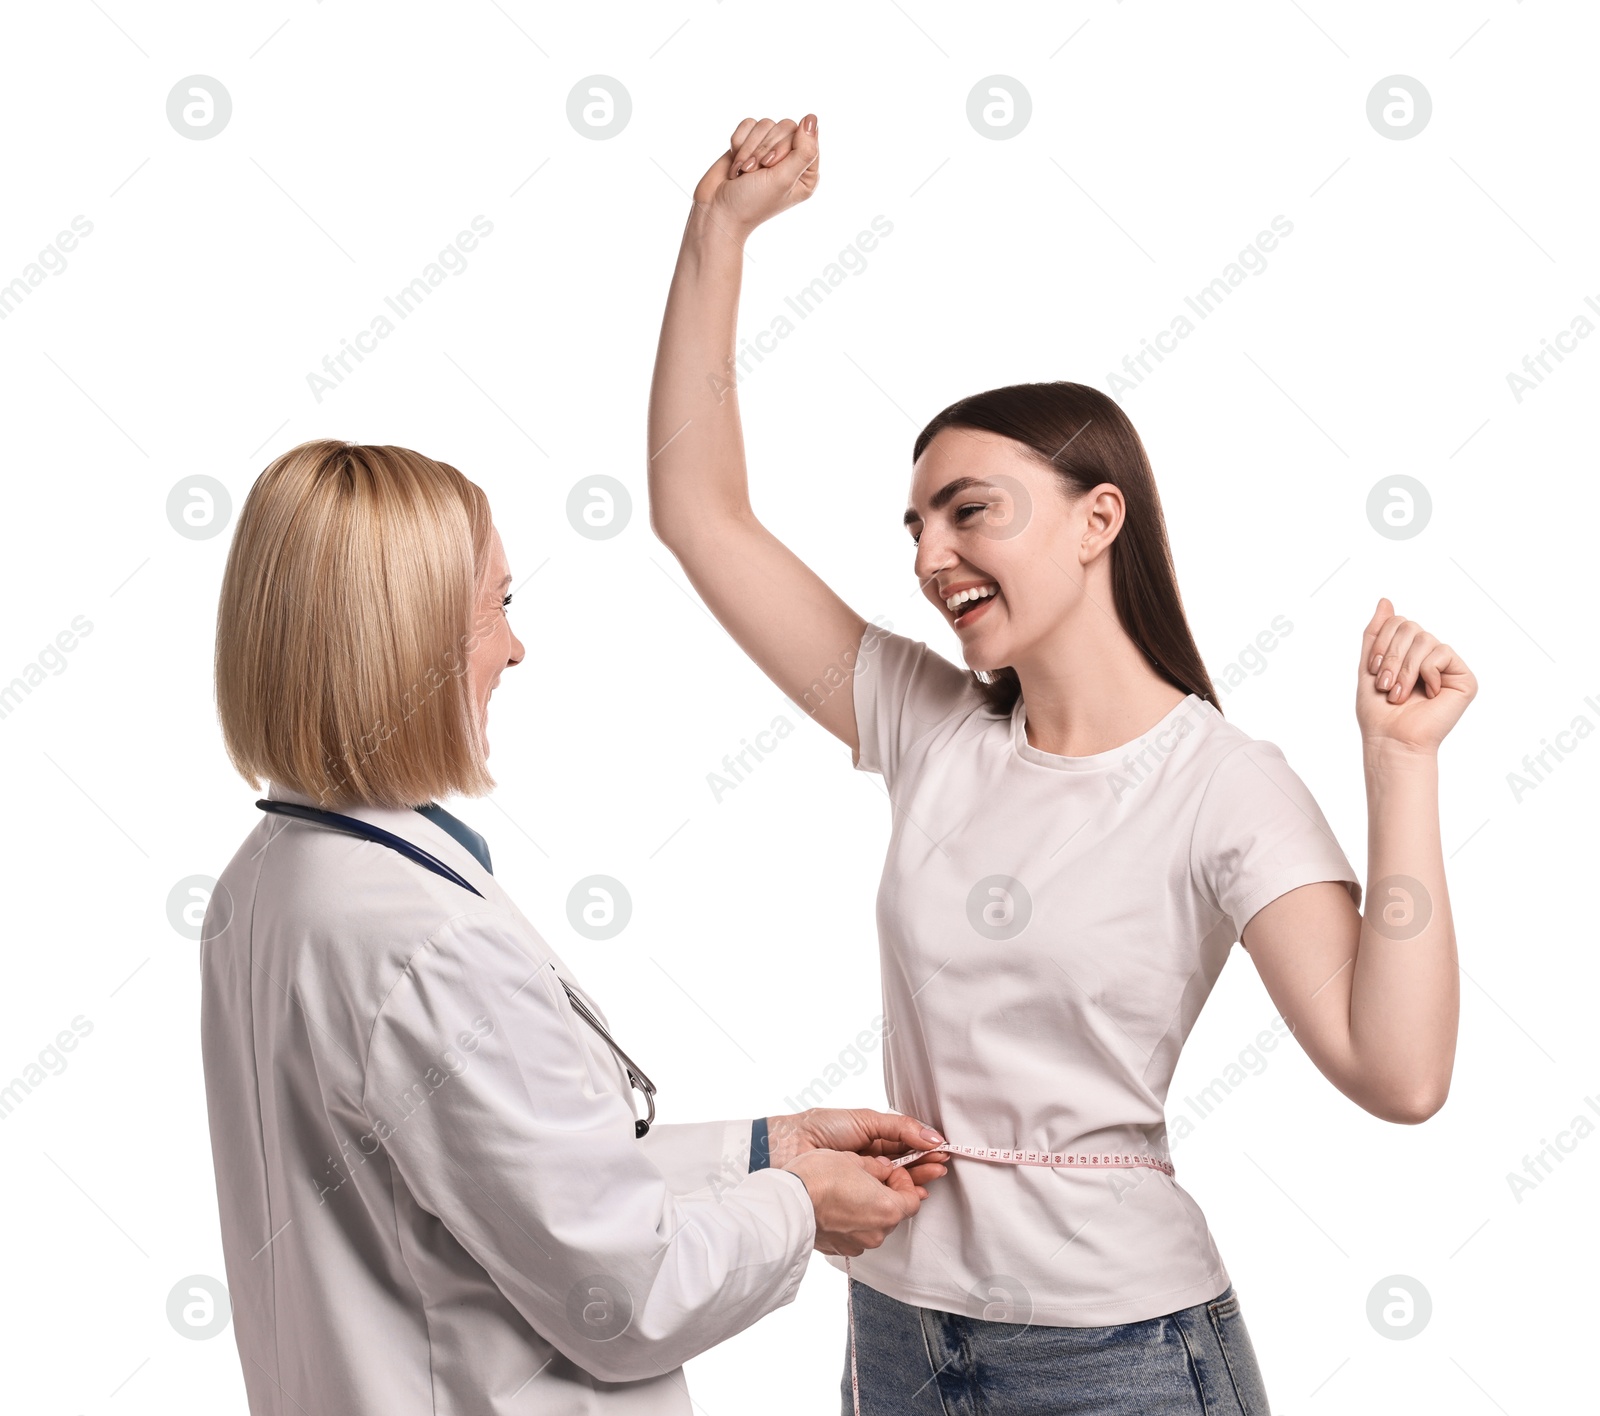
[351, 826]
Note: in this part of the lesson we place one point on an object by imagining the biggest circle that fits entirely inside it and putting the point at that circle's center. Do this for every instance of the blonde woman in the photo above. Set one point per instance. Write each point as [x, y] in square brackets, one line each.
[434, 1190]
[1079, 837]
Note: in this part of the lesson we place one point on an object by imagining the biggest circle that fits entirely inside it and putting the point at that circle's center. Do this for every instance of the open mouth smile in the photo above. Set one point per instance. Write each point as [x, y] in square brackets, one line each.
[971, 603]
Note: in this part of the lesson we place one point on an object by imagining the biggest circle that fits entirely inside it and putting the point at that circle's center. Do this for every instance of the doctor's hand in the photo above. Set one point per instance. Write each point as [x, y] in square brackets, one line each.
[857, 1199]
[862, 1130]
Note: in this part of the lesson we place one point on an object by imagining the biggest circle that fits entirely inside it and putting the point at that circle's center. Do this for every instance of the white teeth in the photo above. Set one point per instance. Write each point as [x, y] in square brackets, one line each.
[978, 592]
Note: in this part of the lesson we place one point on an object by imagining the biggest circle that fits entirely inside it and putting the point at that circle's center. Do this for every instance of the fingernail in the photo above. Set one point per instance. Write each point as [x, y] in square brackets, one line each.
[1377, 658]
[1384, 681]
[810, 123]
[749, 162]
[928, 1134]
[770, 158]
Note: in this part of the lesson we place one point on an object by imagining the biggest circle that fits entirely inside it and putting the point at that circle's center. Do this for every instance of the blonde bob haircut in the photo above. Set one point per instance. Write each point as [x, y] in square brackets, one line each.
[344, 626]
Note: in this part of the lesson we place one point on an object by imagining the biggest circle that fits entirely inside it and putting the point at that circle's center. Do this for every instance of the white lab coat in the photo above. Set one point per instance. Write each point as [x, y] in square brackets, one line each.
[431, 1196]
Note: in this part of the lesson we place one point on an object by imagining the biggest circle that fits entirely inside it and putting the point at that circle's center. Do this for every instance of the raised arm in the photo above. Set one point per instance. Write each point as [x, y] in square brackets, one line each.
[1375, 999]
[802, 635]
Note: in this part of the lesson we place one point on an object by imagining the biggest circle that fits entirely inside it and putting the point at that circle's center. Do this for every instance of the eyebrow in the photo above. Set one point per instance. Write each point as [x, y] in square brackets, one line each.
[945, 495]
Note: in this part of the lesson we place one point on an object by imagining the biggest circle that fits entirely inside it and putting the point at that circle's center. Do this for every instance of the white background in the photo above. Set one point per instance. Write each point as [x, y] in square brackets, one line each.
[1163, 137]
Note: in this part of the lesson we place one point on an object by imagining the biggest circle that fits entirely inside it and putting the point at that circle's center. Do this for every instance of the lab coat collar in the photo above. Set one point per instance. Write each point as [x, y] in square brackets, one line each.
[411, 826]
[414, 827]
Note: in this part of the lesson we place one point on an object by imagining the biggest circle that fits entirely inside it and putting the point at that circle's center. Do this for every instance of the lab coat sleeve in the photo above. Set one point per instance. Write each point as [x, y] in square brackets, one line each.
[499, 1119]
[700, 1157]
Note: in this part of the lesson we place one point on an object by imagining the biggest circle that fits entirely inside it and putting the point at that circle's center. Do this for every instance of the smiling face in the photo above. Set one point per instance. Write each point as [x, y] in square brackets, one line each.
[1002, 550]
[494, 647]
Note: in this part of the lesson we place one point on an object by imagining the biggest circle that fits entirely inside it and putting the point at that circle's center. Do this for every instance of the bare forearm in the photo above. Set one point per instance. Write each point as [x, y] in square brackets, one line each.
[697, 466]
[1405, 987]
[1375, 1000]
[776, 608]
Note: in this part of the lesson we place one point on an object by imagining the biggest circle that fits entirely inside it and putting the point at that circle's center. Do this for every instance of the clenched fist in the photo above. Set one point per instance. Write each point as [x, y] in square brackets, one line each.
[768, 167]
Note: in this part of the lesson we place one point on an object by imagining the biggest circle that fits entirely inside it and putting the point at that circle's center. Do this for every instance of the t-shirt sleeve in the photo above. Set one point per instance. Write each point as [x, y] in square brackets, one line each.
[902, 691]
[1259, 834]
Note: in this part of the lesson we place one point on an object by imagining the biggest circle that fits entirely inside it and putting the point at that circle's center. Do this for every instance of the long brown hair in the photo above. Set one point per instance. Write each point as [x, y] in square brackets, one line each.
[1087, 438]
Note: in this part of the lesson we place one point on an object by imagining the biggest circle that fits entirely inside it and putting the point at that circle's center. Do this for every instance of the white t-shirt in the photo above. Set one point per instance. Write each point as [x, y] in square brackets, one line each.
[1050, 927]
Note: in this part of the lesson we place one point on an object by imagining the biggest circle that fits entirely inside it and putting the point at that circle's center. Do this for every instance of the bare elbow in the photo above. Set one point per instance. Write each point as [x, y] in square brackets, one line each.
[661, 525]
[704, 529]
[1412, 1109]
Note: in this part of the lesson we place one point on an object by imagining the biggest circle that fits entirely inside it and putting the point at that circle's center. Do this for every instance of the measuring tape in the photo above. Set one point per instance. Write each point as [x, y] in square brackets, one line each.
[1054, 1160]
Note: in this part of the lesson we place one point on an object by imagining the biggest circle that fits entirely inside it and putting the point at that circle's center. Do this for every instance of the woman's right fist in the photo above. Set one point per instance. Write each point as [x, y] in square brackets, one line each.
[857, 1199]
[767, 168]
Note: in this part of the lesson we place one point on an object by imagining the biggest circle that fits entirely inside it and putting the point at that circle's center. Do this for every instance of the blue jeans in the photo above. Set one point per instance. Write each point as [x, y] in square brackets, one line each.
[923, 1362]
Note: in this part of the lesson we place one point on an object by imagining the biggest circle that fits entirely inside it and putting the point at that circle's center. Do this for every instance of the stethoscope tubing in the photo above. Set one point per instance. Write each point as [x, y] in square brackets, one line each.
[353, 826]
